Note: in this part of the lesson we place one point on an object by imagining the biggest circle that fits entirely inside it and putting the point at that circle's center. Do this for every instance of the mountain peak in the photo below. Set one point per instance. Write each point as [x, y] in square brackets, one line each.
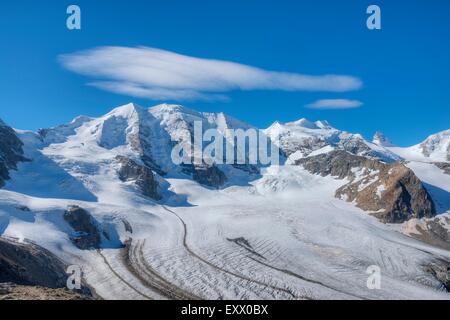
[441, 134]
[305, 123]
[323, 124]
[80, 120]
[126, 110]
[171, 108]
[381, 140]
[437, 146]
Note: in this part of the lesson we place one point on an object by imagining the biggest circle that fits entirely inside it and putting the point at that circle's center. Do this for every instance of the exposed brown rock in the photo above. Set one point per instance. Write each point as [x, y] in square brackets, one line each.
[11, 291]
[434, 231]
[391, 192]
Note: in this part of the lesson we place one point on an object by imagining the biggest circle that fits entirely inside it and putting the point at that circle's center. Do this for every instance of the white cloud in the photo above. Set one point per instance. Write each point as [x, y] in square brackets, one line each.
[335, 104]
[156, 93]
[157, 74]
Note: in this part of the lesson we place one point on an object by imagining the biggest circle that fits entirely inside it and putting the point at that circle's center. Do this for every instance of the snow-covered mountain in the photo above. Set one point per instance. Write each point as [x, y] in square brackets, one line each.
[381, 140]
[178, 122]
[436, 148]
[104, 194]
[128, 130]
[303, 138]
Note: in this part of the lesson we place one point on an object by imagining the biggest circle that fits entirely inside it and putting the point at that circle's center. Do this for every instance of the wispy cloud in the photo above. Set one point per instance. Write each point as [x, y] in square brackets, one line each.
[335, 104]
[157, 93]
[158, 74]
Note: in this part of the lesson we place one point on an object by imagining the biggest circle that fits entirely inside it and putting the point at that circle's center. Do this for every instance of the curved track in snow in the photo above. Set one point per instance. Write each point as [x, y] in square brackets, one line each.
[121, 278]
[136, 263]
[220, 269]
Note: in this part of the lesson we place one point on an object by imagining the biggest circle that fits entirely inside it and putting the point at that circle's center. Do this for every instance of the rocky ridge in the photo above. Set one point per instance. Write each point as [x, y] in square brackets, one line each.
[435, 231]
[11, 151]
[87, 231]
[391, 192]
[140, 175]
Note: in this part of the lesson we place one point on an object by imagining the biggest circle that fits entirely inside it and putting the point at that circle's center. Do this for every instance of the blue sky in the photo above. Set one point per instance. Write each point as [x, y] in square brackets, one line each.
[404, 68]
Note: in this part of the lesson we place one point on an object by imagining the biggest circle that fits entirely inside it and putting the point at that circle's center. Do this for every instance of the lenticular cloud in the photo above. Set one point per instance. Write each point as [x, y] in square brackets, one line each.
[158, 74]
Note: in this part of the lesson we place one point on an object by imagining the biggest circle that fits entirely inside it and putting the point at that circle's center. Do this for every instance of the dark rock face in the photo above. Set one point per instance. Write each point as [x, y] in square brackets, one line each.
[87, 234]
[444, 166]
[249, 168]
[141, 175]
[391, 192]
[29, 264]
[209, 176]
[140, 143]
[10, 152]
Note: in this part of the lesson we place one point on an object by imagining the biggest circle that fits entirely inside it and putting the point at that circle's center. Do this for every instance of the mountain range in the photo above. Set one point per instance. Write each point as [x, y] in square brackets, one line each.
[104, 194]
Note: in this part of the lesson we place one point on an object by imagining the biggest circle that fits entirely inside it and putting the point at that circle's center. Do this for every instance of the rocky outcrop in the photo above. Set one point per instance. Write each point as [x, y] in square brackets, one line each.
[249, 168]
[434, 231]
[444, 166]
[87, 233]
[210, 176]
[353, 144]
[381, 140]
[305, 146]
[30, 272]
[141, 175]
[11, 151]
[12, 291]
[338, 163]
[440, 269]
[391, 192]
[29, 264]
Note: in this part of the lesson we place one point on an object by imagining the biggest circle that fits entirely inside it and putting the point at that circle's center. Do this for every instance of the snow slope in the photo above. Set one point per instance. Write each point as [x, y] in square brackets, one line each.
[436, 148]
